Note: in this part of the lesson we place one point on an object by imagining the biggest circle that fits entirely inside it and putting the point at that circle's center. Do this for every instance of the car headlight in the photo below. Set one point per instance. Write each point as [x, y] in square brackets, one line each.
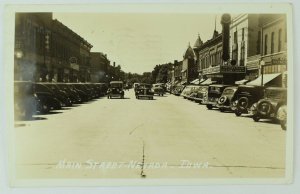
[235, 103]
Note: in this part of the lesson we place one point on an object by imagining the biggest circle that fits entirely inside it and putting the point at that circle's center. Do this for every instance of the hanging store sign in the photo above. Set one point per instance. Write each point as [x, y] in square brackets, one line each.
[224, 69]
[233, 69]
[211, 70]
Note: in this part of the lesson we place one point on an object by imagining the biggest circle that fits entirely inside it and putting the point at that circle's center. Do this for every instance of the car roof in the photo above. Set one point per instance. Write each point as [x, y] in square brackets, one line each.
[276, 88]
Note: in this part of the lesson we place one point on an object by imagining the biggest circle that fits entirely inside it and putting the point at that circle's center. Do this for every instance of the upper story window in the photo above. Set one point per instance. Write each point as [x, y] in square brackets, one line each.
[279, 40]
[235, 37]
[258, 42]
[272, 42]
[243, 34]
[266, 45]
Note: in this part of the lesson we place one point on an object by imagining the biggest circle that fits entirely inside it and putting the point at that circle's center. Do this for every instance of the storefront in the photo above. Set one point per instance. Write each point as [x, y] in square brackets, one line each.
[225, 74]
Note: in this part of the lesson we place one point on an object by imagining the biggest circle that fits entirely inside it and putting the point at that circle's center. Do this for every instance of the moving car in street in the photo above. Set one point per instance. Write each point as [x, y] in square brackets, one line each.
[24, 100]
[213, 94]
[225, 101]
[272, 106]
[158, 89]
[245, 97]
[144, 91]
[115, 89]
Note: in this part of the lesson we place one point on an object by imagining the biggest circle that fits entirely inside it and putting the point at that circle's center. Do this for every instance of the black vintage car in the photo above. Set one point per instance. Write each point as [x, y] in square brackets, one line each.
[214, 92]
[72, 94]
[60, 94]
[272, 106]
[144, 91]
[244, 98]
[46, 99]
[158, 89]
[115, 89]
[225, 101]
[24, 100]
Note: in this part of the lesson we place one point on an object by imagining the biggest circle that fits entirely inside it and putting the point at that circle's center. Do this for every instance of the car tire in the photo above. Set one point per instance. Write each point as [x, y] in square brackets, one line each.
[237, 113]
[221, 109]
[255, 118]
[209, 106]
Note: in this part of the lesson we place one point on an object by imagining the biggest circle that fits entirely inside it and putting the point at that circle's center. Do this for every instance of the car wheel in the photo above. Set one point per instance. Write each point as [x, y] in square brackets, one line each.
[151, 98]
[221, 109]
[45, 108]
[255, 118]
[209, 106]
[107, 97]
[237, 113]
[283, 124]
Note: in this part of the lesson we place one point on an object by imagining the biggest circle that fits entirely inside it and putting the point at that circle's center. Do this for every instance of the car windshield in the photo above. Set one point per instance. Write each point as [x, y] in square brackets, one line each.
[275, 94]
[116, 85]
[228, 91]
[215, 89]
[145, 86]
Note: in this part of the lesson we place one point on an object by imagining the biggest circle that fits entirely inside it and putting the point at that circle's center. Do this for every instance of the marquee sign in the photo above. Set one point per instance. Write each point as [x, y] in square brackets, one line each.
[224, 69]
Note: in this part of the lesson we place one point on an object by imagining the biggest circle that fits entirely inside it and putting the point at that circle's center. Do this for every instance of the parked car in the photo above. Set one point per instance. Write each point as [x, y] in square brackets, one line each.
[72, 94]
[225, 101]
[177, 90]
[245, 97]
[187, 91]
[144, 91]
[194, 93]
[272, 106]
[115, 89]
[46, 99]
[80, 90]
[24, 100]
[158, 89]
[201, 93]
[214, 92]
[60, 94]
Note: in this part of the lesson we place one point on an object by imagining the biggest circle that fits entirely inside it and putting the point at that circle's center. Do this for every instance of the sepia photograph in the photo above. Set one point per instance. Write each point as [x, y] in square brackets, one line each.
[146, 94]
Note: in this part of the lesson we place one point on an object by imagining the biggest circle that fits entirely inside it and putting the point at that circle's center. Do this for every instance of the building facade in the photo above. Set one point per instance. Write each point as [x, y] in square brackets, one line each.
[189, 68]
[99, 67]
[32, 46]
[215, 62]
[271, 51]
[47, 50]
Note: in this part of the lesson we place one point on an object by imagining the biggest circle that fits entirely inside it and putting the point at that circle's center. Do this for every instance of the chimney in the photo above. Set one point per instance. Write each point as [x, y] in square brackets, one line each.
[114, 64]
[225, 21]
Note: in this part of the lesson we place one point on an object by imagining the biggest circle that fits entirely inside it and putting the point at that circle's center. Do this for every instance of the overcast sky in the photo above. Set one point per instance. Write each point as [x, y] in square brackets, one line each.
[138, 42]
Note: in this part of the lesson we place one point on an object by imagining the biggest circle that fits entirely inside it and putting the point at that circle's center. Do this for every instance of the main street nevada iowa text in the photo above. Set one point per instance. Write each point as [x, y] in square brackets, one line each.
[217, 111]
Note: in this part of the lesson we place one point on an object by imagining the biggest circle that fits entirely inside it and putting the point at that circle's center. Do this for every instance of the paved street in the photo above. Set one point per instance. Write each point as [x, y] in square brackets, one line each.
[168, 137]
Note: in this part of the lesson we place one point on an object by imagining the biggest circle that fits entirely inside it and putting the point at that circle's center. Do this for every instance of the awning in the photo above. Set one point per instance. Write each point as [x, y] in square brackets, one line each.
[266, 79]
[196, 81]
[208, 82]
[242, 82]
